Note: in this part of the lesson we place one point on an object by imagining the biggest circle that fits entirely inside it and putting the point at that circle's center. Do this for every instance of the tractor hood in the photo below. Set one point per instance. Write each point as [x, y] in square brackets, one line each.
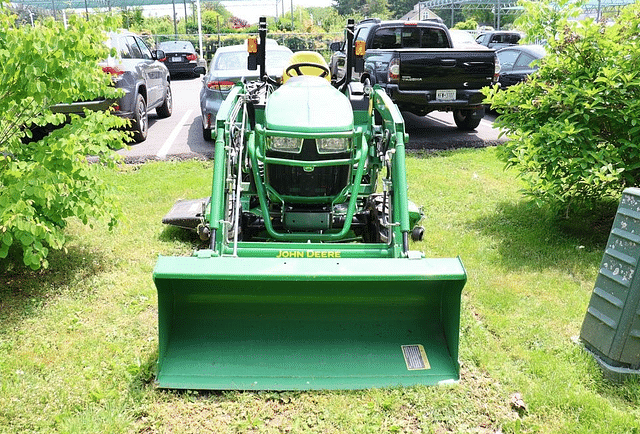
[308, 104]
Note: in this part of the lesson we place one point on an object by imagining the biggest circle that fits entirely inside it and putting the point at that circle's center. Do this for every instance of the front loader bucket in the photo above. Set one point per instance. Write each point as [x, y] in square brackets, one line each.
[295, 323]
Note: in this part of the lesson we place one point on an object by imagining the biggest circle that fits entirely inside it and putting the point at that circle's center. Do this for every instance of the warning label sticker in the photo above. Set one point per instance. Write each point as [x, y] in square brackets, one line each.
[415, 357]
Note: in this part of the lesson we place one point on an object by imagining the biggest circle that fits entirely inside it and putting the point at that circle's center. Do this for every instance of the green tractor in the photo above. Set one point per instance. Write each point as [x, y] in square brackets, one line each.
[308, 281]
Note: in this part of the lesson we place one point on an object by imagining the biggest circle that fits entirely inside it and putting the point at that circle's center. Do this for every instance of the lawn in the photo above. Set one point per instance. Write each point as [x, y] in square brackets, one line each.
[78, 342]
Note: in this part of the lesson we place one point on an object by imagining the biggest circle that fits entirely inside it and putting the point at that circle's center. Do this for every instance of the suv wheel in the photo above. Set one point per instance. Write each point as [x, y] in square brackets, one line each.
[140, 120]
[164, 111]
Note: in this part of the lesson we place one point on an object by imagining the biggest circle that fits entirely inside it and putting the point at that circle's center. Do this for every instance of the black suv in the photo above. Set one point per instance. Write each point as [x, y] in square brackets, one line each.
[145, 81]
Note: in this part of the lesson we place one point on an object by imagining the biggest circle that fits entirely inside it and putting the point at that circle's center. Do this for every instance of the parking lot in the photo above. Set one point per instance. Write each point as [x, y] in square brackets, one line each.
[180, 136]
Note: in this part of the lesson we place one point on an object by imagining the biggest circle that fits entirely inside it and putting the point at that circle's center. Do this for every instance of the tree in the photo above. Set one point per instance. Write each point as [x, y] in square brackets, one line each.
[470, 24]
[401, 7]
[44, 182]
[368, 8]
[328, 19]
[131, 17]
[573, 126]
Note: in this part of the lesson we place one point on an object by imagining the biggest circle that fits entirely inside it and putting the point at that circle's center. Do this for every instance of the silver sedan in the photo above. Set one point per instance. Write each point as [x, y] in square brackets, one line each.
[228, 66]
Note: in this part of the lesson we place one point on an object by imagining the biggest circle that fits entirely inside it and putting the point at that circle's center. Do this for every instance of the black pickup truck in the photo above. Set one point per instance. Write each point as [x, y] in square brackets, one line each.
[416, 65]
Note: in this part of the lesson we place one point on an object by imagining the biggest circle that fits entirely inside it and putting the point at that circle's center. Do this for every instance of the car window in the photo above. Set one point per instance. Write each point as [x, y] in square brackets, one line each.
[238, 60]
[507, 59]
[277, 59]
[434, 38]
[176, 46]
[146, 53]
[386, 38]
[524, 61]
[407, 37]
[231, 60]
[362, 33]
[410, 37]
[134, 50]
[122, 47]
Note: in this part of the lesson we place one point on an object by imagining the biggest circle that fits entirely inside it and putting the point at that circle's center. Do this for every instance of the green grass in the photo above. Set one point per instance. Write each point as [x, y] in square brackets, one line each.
[78, 341]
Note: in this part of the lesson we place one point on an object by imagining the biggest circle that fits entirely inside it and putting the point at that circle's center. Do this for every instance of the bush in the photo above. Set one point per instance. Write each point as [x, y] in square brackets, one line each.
[44, 182]
[573, 125]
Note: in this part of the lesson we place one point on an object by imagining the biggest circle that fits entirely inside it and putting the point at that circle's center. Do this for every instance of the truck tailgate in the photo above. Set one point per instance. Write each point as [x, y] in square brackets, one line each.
[433, 69]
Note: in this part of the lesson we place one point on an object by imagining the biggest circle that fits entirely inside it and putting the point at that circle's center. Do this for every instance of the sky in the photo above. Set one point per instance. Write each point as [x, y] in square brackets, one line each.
[248, 10]
[252, 10]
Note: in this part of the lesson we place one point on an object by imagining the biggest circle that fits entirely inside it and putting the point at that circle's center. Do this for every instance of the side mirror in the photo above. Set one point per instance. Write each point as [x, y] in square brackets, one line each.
[335, 46]
[200, 70]
[158, 55]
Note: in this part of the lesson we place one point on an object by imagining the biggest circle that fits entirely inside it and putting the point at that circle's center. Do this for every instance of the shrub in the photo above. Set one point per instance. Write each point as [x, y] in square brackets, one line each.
[44, 182]
[573, 126]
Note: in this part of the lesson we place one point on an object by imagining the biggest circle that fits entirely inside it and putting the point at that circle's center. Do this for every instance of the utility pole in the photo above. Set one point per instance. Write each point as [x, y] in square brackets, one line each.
[200, 27]
[185, 15]
[175, 24]
[453, 10]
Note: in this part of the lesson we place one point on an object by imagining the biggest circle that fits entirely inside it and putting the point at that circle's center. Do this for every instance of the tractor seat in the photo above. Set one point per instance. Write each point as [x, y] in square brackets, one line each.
[306, 57]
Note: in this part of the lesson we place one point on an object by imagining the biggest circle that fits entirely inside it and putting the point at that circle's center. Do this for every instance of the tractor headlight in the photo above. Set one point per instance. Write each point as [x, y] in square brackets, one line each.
[334, 144]
[285, 144]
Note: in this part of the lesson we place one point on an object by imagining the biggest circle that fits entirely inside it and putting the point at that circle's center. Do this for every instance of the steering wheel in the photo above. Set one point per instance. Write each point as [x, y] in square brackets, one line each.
[324, 71]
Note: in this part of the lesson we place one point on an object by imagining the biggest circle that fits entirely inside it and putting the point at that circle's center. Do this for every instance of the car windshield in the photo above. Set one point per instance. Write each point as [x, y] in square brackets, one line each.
[177, 46]
[238, 60]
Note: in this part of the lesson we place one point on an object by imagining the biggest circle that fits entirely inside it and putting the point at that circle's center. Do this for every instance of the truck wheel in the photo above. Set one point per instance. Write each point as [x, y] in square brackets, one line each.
[465, 121]
[164, 111]
[140, 122]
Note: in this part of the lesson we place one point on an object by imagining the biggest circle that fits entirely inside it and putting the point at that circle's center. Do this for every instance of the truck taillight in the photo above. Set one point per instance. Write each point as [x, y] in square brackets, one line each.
[496, 70]
[191, 57]
[220, 85]
[393, 73]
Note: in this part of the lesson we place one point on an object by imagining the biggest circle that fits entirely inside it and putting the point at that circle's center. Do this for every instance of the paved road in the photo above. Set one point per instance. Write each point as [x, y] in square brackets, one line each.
[180, 136]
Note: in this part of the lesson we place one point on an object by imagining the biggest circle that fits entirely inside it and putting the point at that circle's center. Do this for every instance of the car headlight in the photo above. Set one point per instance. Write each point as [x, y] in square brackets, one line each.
[334, 144]
[285, 144]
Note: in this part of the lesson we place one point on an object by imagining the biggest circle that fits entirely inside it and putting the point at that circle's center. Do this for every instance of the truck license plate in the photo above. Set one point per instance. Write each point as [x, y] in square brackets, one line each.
[176, 59]
[446, 95]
